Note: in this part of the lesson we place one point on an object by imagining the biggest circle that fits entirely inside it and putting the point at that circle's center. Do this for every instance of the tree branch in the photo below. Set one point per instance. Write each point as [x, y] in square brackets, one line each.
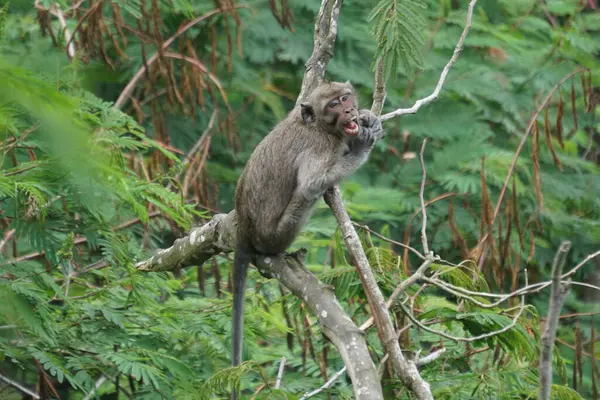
[186, 250]
[18, 386]
[511, 170]
[140, 72]
[405, 368]
[326, 27]
[56, 11]
[218, 236]
[379, 93]
[422, 199]
[8, 235]
[433, 96]
[557, 298]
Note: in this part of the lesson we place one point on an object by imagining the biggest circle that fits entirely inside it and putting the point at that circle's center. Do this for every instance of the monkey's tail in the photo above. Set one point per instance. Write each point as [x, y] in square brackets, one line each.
[240, 270]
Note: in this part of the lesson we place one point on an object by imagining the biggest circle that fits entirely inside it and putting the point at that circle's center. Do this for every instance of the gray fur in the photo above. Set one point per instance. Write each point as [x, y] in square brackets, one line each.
[292, 167]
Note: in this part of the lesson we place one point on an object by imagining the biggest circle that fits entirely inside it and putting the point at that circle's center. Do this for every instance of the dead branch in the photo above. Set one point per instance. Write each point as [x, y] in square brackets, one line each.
[511, 170]
[325, 35]
[379, 94]
[8, 235]
[557, 298]
[56, 11]
[324, 40]
[218, 236]
[433, 96]
[140, 72]
[405, 368]
[18, 386]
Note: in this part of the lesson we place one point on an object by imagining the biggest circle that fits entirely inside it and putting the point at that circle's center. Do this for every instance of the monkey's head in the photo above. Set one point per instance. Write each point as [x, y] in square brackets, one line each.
[333, 106]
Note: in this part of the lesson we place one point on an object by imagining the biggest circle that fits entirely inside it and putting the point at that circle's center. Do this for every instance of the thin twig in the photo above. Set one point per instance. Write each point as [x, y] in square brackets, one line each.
[576, 268]
[459, 46]
[18, 386]
[280, 372]
[189, 156]
[97, 385]
[511, 170]
[577, 315]
[587, 285]
[428, 359]
[77, 241]
[7, 236]
[140, 72]
[386, 239]
[423, 211]
[327, 385]
[469, 339]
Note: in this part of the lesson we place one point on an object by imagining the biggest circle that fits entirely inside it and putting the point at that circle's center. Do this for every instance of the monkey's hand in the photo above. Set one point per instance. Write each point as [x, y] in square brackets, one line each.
[370, 126]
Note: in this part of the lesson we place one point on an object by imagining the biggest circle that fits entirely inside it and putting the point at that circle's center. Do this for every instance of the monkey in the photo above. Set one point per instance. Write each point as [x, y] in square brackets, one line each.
[320, 142]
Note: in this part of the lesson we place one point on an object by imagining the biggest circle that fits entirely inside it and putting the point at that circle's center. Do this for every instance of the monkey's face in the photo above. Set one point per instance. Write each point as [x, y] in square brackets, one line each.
[341, 113]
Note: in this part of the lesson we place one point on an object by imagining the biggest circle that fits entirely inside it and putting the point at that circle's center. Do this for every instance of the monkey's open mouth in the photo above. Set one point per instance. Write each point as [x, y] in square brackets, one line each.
[351, 127]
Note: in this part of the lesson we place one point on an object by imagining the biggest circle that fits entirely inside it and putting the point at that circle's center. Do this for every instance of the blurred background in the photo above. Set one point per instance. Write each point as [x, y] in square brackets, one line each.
[123, 123]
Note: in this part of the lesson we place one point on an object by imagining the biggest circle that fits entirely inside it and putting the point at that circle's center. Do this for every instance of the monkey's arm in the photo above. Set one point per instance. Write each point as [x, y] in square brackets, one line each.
[316, 173]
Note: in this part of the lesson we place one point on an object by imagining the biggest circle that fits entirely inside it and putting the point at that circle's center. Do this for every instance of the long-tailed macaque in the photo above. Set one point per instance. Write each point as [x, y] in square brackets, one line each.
[320, 142]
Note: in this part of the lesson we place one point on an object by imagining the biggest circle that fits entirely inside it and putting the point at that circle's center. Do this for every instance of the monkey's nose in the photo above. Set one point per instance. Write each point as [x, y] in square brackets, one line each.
[348, 110]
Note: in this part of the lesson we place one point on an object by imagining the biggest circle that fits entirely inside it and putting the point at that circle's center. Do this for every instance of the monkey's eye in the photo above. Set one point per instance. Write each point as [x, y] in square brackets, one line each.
[344, 97]
[334, 103]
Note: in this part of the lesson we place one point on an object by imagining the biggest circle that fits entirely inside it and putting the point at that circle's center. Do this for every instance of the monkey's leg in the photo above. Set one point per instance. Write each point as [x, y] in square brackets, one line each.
[293, 218]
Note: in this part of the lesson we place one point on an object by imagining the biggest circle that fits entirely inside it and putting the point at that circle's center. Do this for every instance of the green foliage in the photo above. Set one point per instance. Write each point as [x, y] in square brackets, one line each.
[398, 27]
[3, 12]
[83, 188]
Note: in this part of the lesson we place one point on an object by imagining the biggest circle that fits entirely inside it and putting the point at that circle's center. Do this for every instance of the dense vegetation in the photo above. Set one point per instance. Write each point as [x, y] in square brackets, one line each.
[89, 187]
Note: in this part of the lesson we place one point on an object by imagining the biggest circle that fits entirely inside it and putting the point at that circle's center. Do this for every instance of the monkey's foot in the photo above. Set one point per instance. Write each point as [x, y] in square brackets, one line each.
[299, 255]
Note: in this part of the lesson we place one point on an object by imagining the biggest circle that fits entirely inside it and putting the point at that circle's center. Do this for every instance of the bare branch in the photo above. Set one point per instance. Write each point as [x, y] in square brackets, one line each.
[406, 369]
[77, 241]
[557, 298]
[465, 339]
[326, 27]
[366, 228]
[324, 40]
[327, 385]
[97, 385]
[140, 72]
[379, 94]
[7, 236]
[528, 289]
[423, 211]
[18, 386]
[511, 170]
[587, 285]
[433, 96]
[218, 236]
[280, 372]
[428, 359]
[576, 268]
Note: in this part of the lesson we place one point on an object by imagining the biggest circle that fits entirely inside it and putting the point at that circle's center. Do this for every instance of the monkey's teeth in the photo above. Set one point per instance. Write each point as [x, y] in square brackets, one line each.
[351, 128]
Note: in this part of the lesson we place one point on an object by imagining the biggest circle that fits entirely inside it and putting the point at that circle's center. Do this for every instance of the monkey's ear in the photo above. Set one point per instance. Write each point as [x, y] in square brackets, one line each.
[308, 113]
